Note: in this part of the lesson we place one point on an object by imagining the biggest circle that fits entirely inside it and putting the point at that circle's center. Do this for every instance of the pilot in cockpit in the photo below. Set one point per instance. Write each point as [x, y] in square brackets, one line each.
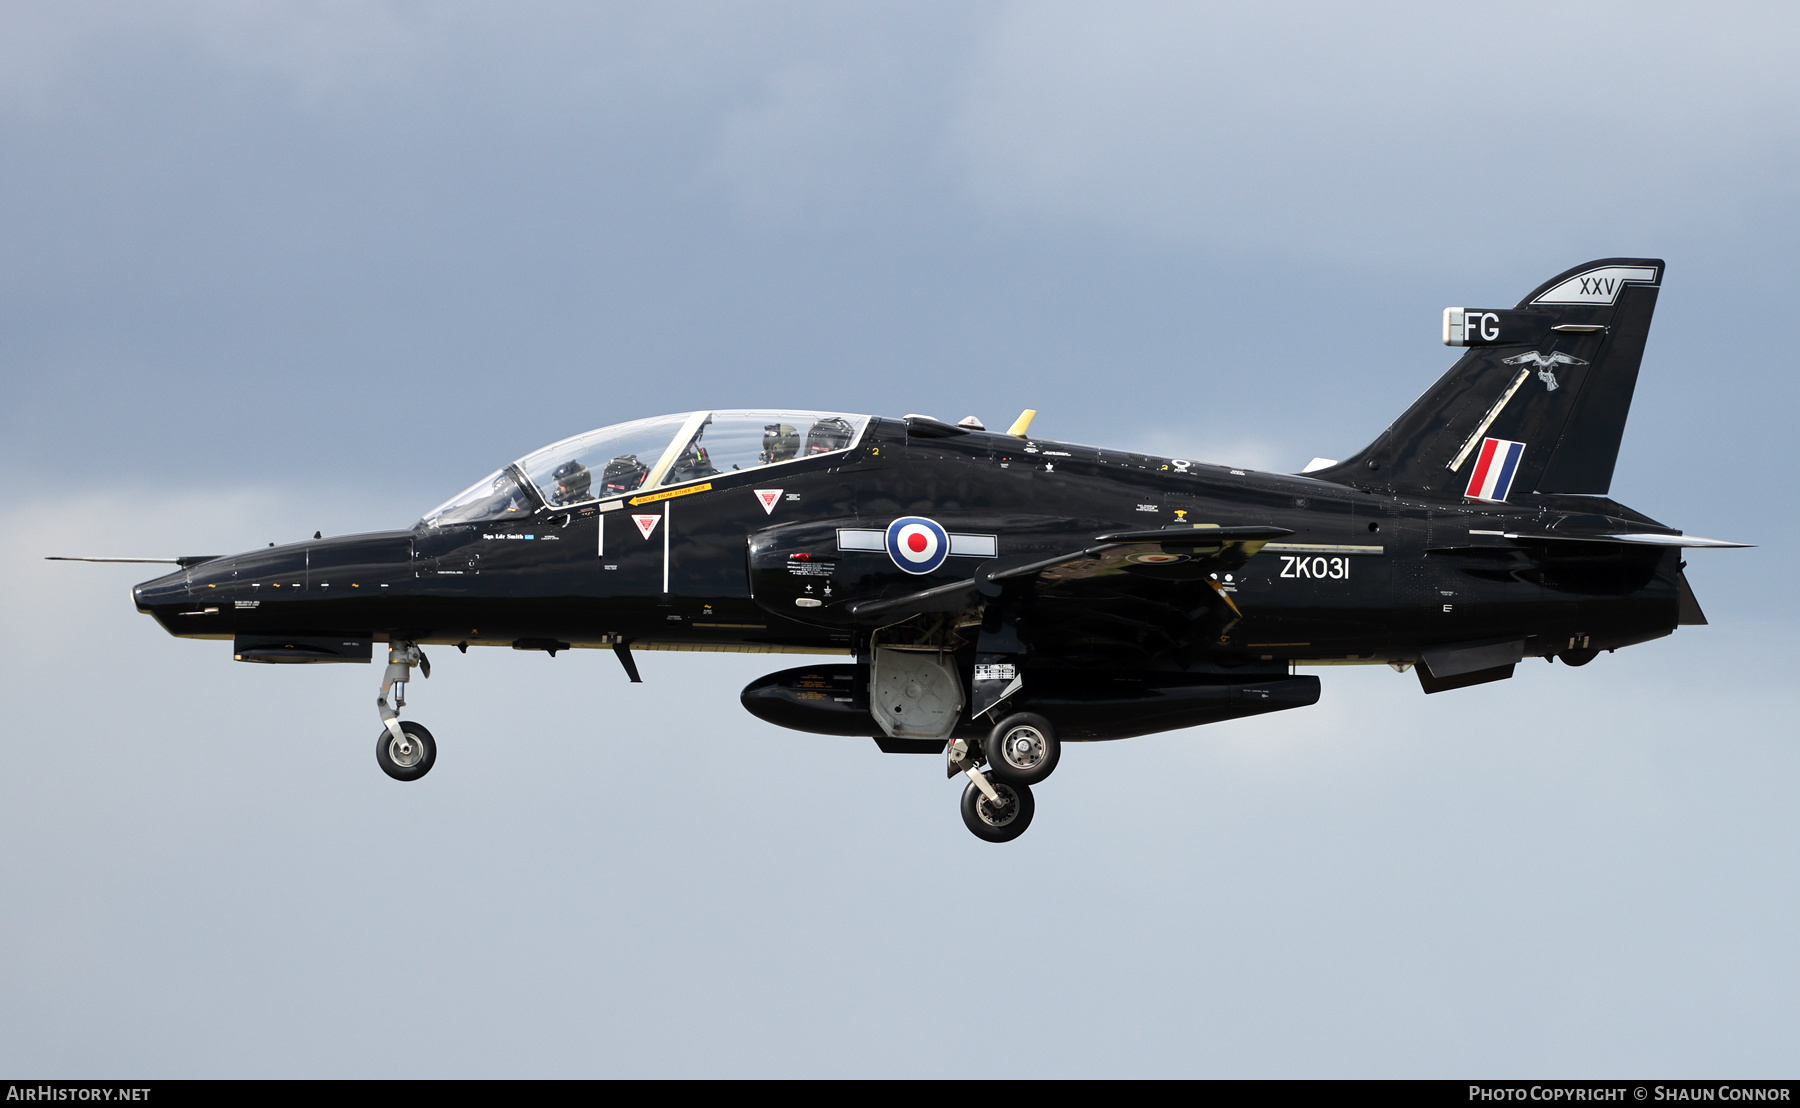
[570, 484]
[780, 442]
[623, 474]
[829, 434]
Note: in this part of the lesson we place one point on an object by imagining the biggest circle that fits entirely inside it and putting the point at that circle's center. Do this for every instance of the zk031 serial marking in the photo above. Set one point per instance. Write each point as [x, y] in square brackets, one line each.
[1295, 565]
[1316, 560]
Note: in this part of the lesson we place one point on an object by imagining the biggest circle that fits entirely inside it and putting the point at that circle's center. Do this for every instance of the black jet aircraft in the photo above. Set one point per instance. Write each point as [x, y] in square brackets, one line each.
[994, 595]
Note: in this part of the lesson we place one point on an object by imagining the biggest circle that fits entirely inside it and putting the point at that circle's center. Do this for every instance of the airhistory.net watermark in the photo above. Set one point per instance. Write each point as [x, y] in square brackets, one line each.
[98, 1093]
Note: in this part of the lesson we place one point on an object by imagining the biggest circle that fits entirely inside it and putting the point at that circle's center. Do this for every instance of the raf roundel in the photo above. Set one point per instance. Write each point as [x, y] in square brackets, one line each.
[917, 544]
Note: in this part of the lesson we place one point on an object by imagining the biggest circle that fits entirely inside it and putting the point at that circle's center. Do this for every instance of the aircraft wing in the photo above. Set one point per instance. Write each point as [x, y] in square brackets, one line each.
[1190, 553]
[1199, 549]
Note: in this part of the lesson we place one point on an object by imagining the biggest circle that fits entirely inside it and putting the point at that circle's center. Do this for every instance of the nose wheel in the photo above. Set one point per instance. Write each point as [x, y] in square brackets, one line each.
[409, 756]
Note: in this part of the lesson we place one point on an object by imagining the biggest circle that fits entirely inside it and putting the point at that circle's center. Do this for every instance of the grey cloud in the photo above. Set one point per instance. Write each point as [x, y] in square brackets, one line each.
[1438, 129]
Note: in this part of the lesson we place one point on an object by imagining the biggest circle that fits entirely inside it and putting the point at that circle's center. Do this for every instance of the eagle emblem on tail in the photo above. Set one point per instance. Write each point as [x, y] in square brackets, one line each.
[1546, 366]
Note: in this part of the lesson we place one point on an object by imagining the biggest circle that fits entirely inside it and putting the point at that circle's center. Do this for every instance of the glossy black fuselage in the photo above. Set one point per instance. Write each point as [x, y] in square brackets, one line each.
[1365, 576]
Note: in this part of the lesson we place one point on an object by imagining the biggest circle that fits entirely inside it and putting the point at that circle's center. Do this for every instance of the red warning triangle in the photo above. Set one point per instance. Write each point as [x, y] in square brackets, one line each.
[768, 497]
[646, 524]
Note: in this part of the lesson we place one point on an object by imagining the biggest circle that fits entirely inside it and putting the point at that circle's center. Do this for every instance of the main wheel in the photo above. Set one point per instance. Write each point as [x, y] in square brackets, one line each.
[998, 823]
[406, 761]
[1023, 749]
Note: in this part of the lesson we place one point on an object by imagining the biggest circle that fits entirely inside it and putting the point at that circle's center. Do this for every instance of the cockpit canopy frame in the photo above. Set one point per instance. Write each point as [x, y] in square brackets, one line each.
[655, 453]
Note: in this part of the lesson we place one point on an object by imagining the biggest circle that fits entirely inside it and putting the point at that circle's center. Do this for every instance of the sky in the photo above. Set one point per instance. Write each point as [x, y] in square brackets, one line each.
[277, 268]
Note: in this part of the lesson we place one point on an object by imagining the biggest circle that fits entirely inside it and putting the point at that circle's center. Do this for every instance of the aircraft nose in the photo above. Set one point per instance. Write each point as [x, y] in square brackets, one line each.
[168, 589]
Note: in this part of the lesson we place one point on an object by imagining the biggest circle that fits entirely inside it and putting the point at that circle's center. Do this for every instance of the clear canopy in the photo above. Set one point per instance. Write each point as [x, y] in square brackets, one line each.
[493, 497]
[730, 442]
[665, 450]
[608, 462]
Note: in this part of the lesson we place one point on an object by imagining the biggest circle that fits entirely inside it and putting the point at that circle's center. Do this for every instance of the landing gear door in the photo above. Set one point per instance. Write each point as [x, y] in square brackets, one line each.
[915, 694]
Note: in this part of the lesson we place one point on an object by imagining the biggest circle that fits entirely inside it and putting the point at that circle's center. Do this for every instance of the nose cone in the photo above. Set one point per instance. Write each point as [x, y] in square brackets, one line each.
[171, 589]
[174, 601]
[200, 599]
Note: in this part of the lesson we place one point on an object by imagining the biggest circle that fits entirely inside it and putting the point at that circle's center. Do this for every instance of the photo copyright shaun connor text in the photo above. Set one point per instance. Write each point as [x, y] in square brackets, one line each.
[1615, 1093]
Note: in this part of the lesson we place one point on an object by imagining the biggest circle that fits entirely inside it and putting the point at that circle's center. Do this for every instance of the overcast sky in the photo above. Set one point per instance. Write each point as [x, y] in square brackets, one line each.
[273, 268]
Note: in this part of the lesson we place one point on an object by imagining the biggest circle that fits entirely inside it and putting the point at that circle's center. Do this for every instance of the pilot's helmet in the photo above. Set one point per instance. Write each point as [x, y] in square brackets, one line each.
[780, 442]
[623, 474]
[570, 483]
[828, 434]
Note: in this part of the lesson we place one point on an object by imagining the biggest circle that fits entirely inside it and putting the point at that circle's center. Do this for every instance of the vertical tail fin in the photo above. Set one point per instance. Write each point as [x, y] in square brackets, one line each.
[1538, 404]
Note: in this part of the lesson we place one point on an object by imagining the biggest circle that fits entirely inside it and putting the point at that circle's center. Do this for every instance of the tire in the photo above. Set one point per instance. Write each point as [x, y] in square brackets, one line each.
[1579, 657]
[1004, 825]
[1035, 762]
[406, 767]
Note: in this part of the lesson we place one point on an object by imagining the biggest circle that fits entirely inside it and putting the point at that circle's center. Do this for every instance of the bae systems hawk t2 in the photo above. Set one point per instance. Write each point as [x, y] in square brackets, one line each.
[994, 596]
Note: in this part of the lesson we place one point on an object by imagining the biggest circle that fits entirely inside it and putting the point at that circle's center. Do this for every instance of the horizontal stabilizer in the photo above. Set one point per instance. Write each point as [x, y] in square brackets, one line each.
[1636, 538]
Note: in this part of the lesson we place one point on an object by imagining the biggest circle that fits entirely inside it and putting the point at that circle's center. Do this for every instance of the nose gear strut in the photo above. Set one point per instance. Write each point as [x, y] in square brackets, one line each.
[405, 751]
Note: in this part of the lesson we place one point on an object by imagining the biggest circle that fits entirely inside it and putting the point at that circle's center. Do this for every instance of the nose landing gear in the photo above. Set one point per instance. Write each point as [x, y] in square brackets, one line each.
[408, 757]
[404, 751]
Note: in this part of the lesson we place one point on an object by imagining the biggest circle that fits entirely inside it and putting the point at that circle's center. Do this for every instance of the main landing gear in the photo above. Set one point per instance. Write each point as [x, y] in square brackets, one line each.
[1000, 817]
[404, 751]
[1021, 751]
